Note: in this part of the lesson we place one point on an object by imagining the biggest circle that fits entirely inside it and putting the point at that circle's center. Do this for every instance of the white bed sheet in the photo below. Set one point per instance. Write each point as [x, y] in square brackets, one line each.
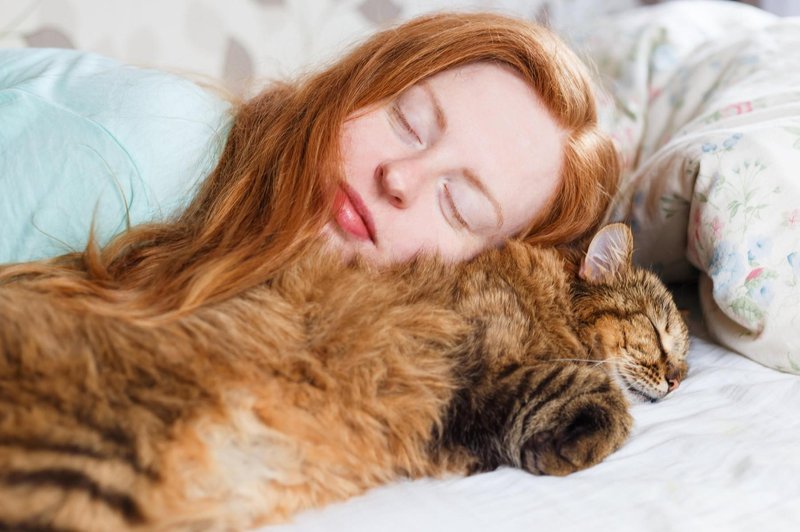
[721, 453]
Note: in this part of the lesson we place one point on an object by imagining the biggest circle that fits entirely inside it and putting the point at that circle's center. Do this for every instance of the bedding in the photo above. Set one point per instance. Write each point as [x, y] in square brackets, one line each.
[704, 101]
[723, 451]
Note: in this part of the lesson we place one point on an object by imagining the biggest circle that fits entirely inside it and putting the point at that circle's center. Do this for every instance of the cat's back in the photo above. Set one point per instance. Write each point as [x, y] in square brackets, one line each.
[520, 296]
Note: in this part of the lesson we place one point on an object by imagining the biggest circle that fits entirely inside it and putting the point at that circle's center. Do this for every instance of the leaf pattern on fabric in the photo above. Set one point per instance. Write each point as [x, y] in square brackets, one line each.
[48, 37]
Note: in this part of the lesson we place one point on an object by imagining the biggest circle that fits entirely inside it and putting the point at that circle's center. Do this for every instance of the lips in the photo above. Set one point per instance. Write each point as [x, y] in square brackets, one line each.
[352, 215]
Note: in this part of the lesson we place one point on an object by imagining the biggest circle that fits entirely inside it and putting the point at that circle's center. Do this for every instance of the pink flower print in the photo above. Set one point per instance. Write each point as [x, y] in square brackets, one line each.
[793, 218]
[696, 217]
[754, 274]
[738, 108]
[653, 93]
[716, 227]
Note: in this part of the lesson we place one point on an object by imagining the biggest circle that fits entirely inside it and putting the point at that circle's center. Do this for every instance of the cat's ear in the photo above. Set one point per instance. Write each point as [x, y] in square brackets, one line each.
[609, 254]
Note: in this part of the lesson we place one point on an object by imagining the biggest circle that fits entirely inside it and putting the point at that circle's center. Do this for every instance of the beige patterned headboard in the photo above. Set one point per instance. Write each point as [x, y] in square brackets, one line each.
[242, 43]
[236, 41]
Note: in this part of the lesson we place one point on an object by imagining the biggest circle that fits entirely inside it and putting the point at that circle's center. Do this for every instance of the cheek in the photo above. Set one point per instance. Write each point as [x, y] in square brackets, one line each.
[363, 146]
[521, 212]
[408, 233]
[354, 160]
[606, 339]
[411, 233]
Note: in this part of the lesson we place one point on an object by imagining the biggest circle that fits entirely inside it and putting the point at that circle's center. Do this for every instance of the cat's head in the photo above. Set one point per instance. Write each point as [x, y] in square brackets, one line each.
[629, 319]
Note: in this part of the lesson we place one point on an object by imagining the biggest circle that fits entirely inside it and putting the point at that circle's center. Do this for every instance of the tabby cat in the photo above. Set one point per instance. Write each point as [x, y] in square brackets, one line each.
[332, 379]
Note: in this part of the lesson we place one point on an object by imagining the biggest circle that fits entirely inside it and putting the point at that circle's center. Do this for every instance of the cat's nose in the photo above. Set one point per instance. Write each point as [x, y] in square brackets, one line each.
[673, 378]
[672, 384]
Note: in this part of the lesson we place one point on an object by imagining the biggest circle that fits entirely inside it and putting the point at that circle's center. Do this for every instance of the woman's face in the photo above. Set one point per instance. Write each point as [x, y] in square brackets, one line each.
[455, 164]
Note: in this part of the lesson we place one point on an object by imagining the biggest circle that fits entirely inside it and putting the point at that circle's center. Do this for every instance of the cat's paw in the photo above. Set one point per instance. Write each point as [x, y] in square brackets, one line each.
[580, 436]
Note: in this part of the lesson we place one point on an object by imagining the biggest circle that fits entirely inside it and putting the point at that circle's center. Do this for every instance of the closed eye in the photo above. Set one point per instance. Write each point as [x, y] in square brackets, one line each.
[401, 119]
[452, 204]
[659, 339]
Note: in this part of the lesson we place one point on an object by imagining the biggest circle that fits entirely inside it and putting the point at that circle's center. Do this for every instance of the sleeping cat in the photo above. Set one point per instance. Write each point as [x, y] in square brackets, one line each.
[332, 379]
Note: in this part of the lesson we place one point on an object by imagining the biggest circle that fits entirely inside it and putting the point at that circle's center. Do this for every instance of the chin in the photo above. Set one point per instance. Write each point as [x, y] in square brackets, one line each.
[339, 242]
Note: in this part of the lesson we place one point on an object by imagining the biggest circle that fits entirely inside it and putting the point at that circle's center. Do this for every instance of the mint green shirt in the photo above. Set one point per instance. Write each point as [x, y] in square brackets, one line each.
[88, 140]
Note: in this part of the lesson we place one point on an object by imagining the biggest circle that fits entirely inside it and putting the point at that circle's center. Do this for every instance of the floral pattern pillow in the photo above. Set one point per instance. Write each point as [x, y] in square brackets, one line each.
[703, 99]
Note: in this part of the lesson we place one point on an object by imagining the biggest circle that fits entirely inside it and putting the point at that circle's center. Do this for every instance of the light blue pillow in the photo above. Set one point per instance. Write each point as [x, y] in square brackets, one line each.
[85, 139]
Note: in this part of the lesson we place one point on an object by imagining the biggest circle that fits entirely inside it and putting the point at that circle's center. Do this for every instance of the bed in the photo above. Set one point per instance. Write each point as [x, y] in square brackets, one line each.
[720, 453]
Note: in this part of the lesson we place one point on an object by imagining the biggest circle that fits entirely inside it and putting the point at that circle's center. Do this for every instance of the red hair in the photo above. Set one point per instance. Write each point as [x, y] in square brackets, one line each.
[270, 194]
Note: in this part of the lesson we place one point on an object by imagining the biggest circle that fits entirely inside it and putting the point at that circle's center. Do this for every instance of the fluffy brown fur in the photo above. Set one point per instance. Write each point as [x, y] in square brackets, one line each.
[332, 379]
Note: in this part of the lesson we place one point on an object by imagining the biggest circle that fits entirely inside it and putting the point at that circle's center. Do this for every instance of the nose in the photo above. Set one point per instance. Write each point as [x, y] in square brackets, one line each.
[672, 384]
[402, 180]
[673, 378]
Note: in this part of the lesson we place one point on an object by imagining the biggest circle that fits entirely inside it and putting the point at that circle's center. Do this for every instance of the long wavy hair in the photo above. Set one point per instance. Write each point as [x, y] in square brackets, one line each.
[271, 192]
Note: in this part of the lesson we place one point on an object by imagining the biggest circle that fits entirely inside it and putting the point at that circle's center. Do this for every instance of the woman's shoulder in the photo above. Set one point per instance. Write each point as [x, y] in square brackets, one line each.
[85, 129]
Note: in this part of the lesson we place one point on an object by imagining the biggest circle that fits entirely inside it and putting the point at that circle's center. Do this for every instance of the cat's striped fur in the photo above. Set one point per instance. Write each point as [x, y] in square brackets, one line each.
[331, 380]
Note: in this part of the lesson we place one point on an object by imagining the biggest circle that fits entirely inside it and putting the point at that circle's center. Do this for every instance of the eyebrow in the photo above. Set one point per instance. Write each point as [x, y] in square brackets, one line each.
[471, 175]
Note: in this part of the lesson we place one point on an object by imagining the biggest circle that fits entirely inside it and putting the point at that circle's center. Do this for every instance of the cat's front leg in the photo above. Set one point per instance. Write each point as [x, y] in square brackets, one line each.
[569, 417]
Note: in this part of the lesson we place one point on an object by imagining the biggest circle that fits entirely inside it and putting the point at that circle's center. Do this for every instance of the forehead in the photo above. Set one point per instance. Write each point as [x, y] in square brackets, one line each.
[504, 133]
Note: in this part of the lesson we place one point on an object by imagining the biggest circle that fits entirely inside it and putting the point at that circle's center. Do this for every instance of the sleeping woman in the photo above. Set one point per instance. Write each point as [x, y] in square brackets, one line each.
[449, 136]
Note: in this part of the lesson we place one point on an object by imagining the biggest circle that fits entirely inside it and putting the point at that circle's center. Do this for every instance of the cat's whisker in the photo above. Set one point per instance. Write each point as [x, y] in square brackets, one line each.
[591, 362]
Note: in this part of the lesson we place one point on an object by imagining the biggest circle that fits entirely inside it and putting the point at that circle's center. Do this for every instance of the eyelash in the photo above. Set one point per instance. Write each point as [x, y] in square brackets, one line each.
[453, 208]
[398, 114]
